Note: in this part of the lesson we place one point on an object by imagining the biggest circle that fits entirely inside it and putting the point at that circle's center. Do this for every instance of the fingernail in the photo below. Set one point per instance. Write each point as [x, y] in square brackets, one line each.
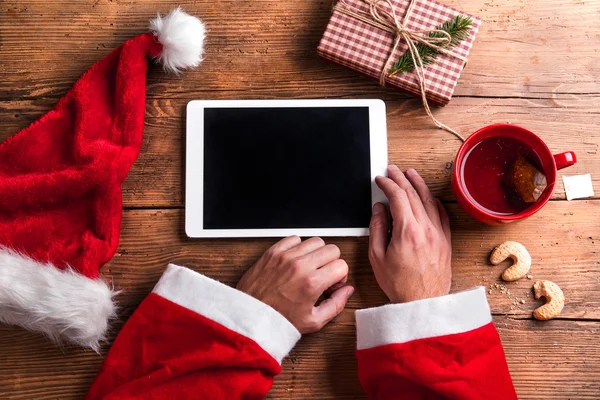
[378, 208]
[349, 292]
[392, 167]
[411, 171]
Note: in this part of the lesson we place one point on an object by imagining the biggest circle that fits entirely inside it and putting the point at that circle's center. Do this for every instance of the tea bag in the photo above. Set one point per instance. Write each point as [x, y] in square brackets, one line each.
[527, 180]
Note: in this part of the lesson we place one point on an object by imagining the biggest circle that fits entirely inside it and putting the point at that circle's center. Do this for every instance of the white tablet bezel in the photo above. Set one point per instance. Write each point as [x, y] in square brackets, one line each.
[195, 165]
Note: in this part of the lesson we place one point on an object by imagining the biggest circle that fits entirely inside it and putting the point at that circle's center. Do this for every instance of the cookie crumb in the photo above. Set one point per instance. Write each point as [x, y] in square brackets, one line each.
[529, 276]
[522, 301]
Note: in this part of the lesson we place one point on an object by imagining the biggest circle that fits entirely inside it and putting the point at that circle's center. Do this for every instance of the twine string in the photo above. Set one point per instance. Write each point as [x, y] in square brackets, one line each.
[387, 21]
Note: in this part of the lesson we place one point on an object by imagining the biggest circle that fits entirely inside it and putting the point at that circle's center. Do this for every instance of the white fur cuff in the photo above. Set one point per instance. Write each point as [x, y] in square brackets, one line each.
[438, 316]
[229, 307]
[61, 304]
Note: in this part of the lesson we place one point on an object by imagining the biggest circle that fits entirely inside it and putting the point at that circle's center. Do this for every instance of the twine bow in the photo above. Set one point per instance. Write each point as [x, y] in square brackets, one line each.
[388, 21]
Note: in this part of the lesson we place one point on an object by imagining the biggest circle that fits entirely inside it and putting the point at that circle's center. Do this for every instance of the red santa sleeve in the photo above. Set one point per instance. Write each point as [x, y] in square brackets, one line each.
[440, 348]
[195, 338]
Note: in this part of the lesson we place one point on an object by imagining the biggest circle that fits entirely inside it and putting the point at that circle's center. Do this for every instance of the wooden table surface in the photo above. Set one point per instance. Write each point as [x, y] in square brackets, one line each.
[535, 63]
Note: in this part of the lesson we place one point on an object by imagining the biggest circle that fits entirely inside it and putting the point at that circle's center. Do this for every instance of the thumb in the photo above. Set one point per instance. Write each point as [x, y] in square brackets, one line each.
[334, 305]
[379, 229]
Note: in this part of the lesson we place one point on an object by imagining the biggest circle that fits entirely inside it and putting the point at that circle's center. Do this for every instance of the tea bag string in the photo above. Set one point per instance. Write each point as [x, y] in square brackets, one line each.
[388, 21]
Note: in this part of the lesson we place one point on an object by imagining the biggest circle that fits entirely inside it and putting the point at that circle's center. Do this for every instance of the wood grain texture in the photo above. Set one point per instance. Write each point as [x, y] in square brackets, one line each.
[267, 48]
[543, 357]
[156, 179]
[570, 257]
[522, 71]
[534, 63]
[544, 360]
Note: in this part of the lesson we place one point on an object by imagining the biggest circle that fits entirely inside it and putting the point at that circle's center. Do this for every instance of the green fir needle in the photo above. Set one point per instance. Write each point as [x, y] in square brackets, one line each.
[458, 28]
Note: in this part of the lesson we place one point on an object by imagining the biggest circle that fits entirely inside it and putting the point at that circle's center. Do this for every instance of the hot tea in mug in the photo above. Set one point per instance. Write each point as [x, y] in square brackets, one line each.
[503, 173]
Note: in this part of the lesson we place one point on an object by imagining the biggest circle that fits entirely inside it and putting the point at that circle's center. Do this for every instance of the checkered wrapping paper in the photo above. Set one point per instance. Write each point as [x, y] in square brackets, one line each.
[364, 48]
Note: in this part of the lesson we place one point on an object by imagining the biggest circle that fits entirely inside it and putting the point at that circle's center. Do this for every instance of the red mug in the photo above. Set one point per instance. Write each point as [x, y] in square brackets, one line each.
[550, 164]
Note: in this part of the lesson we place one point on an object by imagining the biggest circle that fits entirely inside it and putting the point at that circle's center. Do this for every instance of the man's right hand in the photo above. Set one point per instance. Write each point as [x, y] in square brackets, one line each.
[415, 262]
[292, 275]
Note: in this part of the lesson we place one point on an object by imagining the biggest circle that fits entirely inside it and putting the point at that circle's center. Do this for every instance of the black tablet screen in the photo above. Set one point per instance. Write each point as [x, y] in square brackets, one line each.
[286, 168]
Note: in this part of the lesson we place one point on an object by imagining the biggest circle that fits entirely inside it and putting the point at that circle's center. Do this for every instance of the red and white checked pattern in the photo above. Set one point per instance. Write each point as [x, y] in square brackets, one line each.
[365, 48]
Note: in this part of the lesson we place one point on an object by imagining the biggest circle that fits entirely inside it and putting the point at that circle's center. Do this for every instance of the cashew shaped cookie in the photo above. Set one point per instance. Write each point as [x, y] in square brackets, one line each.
[520, 255]
[555, 300]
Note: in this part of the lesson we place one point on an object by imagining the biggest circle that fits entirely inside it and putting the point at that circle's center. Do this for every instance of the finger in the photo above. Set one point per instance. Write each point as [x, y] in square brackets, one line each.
[330, 274]
[336, 286]
[399, 204]
[416, 204]
[333, 306]
[286, 244]
[308, 246]
[427, 199]
[278, 248]
[379, 229]
[320, 257]
[445, 220]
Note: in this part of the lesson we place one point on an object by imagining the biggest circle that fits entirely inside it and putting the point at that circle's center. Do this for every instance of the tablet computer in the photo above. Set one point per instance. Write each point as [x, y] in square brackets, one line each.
[274, 168]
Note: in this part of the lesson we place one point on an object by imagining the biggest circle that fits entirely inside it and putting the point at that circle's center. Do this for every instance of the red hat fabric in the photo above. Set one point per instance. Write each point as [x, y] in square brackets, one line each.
[60, 187]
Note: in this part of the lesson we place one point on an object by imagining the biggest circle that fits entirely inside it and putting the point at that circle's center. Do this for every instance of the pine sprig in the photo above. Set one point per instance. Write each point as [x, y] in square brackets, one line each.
[458, 28]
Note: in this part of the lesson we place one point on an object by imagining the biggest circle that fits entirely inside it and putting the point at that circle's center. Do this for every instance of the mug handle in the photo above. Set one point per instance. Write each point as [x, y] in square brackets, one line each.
[564, 160]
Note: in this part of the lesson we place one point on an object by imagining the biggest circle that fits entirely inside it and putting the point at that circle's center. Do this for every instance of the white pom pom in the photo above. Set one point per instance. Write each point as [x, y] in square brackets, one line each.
[182, 38]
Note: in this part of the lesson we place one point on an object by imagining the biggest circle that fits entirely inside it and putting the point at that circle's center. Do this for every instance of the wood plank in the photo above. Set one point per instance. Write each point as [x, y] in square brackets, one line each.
[267, 49]
[323, 365]
[564, 242]
[156, 179]
[529, 346]
[533, 64]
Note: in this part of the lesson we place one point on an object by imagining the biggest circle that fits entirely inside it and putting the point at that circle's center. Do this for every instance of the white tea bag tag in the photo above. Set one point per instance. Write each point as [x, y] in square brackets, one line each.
[578, 186]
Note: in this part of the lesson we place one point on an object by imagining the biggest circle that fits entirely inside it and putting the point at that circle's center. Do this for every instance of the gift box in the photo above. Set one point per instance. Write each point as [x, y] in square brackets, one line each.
[355, 39]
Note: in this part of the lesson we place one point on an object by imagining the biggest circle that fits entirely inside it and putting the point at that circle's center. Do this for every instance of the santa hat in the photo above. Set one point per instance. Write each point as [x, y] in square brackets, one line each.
[60, 187]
